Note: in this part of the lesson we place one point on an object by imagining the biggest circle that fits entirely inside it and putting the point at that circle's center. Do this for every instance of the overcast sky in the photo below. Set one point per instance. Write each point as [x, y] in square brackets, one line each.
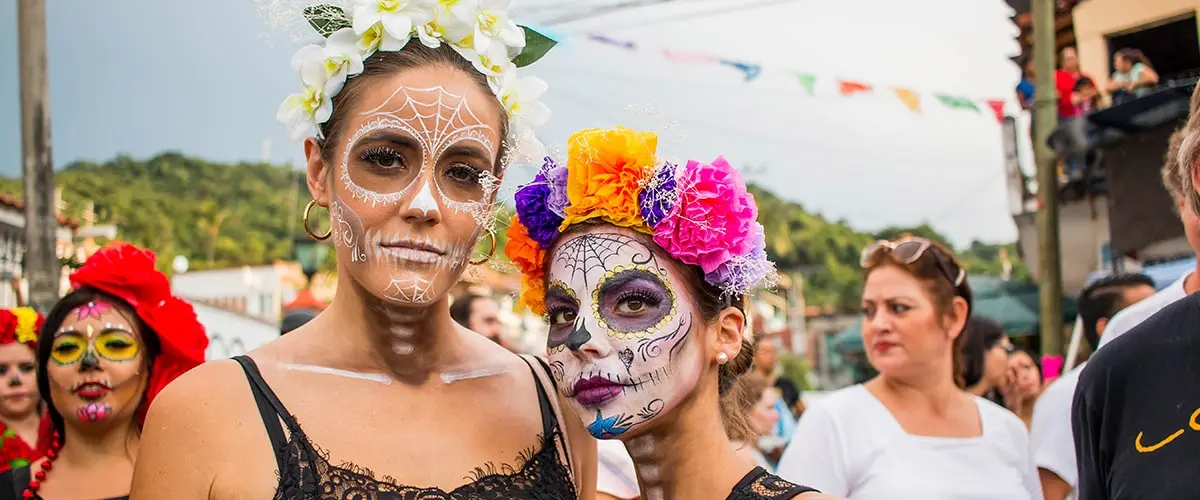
[205, 78]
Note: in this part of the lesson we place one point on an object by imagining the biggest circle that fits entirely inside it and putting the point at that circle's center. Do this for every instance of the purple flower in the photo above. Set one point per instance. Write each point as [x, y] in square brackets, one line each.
[557, 201]
[539, 221]
[657, 198]
[741, 273]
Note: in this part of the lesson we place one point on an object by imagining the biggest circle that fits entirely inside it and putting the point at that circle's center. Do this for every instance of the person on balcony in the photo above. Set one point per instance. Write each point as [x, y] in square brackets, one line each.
[1133, 76]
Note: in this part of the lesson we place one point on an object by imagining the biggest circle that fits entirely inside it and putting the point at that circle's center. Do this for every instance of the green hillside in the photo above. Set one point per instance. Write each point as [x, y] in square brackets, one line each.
[221, 215]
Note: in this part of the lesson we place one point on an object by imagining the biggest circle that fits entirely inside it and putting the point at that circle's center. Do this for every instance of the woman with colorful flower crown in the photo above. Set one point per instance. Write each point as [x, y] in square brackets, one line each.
[415, 107]
[642, 267]
[25, 429]
[106, 351]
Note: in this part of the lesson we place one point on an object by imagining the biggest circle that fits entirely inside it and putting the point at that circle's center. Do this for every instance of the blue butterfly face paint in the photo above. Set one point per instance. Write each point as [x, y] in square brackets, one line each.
[618, 341]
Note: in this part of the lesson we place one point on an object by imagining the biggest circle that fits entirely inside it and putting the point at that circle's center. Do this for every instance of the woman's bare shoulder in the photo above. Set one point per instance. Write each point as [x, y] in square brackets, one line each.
[202, 394]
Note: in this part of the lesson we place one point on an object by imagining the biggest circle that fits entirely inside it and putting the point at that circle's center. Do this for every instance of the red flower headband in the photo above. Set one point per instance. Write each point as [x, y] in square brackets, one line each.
[20, 325]
[127, 272]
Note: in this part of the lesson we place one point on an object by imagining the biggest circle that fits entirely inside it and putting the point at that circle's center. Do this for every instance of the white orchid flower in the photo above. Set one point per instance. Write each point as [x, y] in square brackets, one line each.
[398, 17]
[491, 25]
[313, 105]
[343, 59]
[520, 97]
[439, 28]
[376, 38]
[492, 63]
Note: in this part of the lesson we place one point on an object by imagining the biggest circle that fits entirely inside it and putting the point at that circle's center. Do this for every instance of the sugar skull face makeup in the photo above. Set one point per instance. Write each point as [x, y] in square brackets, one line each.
[96, 366]
[414, 183]
[619, 330]
[18, 381]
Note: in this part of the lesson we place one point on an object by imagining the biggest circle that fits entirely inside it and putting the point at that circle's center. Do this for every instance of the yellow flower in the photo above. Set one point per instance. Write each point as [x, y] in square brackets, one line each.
[606, 169]
[27, 320]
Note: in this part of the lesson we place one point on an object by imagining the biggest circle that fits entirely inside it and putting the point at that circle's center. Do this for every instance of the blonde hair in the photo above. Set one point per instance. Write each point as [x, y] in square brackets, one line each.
[740, 402]
[1188, 152]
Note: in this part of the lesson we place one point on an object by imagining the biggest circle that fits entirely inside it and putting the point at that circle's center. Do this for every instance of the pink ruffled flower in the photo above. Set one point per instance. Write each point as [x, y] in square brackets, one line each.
[713, 218]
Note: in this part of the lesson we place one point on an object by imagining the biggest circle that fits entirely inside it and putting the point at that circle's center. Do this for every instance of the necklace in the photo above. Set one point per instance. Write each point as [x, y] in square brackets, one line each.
[46, 466]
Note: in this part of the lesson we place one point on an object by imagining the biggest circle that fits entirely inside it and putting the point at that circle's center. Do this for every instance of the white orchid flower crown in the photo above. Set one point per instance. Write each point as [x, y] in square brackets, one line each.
[479, 30]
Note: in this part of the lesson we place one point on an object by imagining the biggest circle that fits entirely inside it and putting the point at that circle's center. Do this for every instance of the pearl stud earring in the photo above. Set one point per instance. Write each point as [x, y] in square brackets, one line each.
[722, 358]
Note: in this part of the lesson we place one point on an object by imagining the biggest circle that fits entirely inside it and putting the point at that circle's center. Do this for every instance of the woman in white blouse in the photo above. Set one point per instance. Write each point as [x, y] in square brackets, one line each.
[912, 432]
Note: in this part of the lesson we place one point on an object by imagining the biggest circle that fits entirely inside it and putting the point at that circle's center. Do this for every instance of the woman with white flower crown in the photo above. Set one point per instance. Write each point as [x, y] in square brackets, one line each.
[409, 113]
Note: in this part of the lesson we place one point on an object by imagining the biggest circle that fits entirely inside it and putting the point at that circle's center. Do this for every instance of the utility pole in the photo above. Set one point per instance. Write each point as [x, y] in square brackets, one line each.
[41, 260]
[1045, 119]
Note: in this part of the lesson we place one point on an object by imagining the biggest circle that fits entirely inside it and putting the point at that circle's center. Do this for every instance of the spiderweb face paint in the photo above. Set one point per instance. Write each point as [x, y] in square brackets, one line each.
[416, 183]
[619, 328]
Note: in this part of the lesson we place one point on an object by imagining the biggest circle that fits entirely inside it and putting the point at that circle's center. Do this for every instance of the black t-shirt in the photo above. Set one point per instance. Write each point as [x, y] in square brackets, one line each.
[1136, 414]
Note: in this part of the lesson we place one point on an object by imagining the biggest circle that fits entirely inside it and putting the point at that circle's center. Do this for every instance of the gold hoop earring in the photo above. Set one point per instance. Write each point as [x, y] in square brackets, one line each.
[492, 235]
[308, 229]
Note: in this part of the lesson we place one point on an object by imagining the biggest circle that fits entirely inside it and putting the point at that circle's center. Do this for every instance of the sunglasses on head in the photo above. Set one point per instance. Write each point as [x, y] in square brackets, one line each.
[910, 249]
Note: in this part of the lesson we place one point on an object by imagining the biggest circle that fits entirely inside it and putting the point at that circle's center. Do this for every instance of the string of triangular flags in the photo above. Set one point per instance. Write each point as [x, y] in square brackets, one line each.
[912, 99]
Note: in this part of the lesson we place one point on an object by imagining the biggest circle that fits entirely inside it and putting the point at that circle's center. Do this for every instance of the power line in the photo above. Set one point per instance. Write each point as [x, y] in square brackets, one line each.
[603, 10]
[740, 7]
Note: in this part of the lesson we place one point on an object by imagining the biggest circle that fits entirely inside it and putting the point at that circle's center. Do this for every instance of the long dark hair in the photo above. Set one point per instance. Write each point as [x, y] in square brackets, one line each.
[54, 321]
[982, 335]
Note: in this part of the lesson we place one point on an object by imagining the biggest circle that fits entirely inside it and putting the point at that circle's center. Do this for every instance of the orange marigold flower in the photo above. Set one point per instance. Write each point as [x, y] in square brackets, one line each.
[522, 250]
[533, 293]
[529, 256]
[606, 169]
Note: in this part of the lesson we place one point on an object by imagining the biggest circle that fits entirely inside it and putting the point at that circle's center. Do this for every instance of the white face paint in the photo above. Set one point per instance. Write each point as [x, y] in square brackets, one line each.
[618, 342]
[417, 181]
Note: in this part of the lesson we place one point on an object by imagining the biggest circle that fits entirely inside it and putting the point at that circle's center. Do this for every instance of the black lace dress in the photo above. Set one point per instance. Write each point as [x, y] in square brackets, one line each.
[305, 472]
[760, 484]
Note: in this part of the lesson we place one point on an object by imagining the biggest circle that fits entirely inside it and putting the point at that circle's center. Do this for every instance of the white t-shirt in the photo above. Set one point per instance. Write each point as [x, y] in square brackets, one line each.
[1135, 314]
[615, 473]
[1050, 435]
[850, 446]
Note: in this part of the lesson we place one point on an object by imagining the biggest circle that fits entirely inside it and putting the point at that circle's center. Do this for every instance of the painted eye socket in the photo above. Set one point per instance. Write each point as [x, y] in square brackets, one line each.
[116, 346]
[562, 315]
[67, 349]
[635, 303]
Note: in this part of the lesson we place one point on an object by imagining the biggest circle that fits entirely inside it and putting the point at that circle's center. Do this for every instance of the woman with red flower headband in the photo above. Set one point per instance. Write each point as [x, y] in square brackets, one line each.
[25, 429]
[105, 352]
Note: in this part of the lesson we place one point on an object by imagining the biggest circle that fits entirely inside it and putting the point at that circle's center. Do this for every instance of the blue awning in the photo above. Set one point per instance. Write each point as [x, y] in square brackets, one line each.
[1163, 273]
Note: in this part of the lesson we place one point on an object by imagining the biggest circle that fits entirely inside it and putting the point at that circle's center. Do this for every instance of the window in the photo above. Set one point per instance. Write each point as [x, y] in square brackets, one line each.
[1171, 45]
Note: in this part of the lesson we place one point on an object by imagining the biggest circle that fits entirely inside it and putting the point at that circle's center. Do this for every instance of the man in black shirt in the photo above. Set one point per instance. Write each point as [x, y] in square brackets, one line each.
[1136, 414]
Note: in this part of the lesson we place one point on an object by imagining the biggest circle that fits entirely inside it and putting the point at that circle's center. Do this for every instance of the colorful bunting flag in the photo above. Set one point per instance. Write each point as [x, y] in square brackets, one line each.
[997, 106]
[751, 70]
[807, 81]
[616, 43]
[909, 98]
[848, 88]
[953, 102]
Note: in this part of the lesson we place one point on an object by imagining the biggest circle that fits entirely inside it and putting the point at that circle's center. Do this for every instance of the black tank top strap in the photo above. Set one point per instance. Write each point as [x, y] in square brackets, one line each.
[549, 422]
[269, 408]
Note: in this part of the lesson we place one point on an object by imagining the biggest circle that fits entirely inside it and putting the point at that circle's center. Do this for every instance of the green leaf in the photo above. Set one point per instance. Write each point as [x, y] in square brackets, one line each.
[536, 46]
[326, 19]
